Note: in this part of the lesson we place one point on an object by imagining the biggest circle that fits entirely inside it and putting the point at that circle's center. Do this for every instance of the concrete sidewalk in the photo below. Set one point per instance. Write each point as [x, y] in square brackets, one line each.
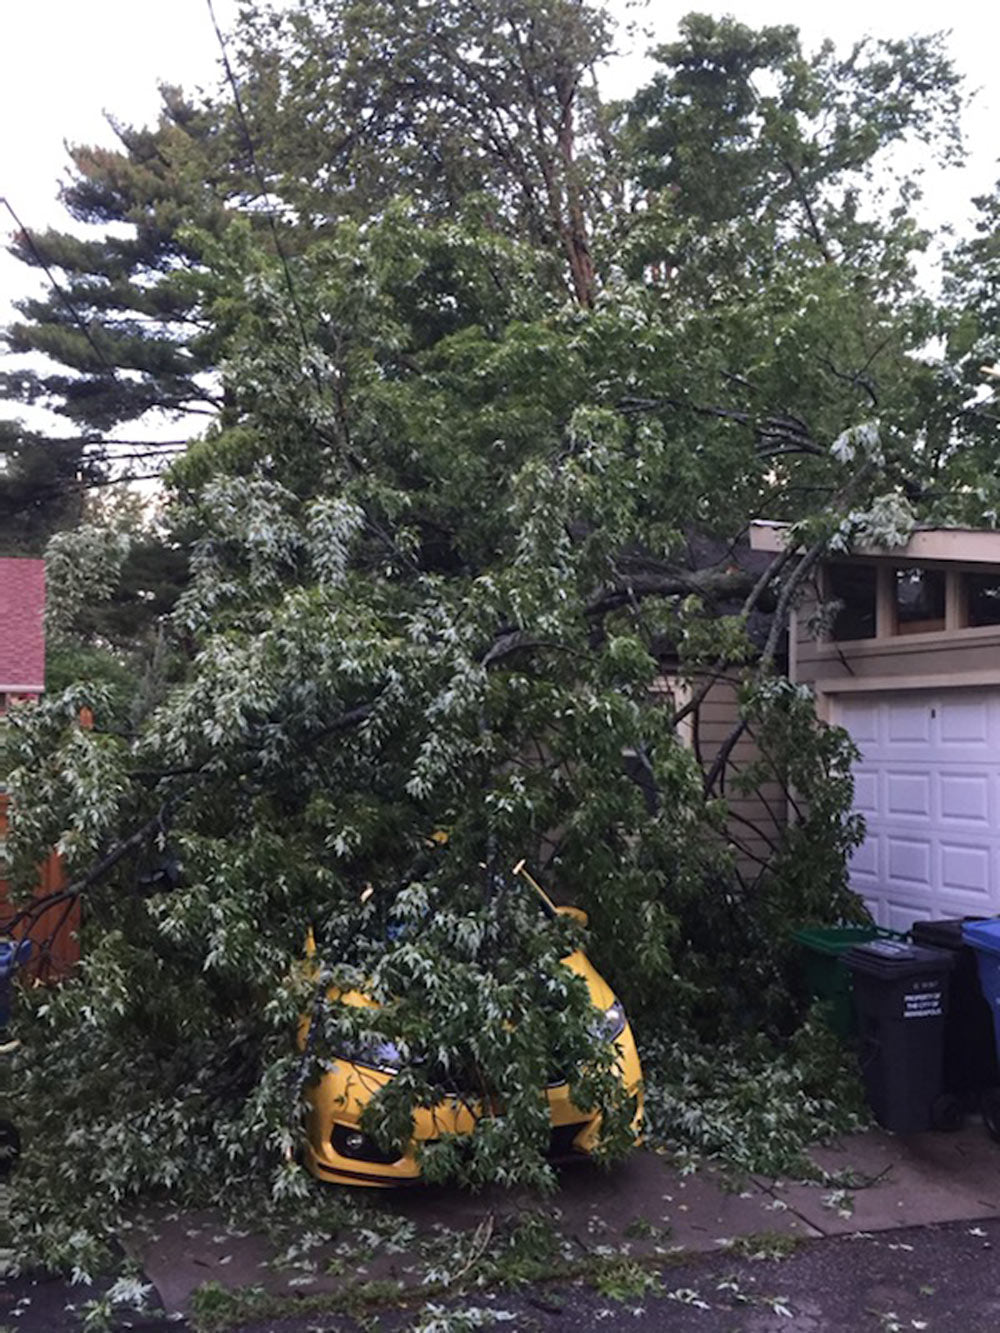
[647, 1209]
[875, 1182]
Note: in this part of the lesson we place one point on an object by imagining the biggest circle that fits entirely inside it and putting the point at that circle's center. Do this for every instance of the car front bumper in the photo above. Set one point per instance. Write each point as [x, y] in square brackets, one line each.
[338, 1150]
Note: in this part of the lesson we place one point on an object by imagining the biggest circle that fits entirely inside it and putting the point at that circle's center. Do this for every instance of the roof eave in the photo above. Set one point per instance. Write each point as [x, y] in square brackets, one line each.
[966, 546]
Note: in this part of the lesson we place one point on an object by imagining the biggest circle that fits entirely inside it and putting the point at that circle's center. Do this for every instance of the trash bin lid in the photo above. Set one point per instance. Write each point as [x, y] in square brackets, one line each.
[895, 959]
[12, 954]
[984, 935]
[941, 934]
[833, 940]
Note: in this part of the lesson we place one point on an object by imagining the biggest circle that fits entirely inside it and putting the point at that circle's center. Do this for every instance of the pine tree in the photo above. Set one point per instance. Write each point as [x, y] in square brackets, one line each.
[126, 340]
[42, 485]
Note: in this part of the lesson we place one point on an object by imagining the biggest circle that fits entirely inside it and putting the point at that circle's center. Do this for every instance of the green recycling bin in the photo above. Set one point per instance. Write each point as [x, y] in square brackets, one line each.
[826, 977]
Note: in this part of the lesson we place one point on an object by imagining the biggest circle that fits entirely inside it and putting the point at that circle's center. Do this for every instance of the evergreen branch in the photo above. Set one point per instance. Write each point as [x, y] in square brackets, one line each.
[64, 300]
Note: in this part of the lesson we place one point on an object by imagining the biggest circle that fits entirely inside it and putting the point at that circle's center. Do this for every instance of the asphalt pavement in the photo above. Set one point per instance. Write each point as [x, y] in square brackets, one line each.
[933, 1278]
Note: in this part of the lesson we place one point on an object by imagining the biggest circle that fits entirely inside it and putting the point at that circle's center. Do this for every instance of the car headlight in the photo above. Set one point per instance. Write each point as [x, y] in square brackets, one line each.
[610, 1023]
[384, 1056]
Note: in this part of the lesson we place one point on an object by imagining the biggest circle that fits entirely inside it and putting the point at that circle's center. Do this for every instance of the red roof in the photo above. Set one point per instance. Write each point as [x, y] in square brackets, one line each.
[22, 626]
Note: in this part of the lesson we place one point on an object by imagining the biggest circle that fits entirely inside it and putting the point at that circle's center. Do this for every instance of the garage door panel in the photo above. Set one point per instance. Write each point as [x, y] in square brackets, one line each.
[864, 725]
[964, 722]
[866, 793]
[900, 914]
[909, 860]
[965, 868]
[909, 724]
[908, 794]
[928, 786]
[865, 862]
[964, 798]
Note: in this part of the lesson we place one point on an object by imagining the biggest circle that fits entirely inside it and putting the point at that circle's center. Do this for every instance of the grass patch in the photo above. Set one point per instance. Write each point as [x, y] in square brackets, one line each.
[623, 1279]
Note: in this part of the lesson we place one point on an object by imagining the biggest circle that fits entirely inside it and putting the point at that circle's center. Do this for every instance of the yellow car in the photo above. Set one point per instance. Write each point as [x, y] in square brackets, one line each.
[337, 1149]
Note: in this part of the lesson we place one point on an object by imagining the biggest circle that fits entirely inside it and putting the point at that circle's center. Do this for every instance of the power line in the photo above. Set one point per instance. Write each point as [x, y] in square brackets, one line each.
[143, 453]
[134, 444]
[40, 259]
[86, 447]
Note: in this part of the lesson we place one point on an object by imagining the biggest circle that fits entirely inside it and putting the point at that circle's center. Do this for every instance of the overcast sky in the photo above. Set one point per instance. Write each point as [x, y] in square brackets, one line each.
[63, 63]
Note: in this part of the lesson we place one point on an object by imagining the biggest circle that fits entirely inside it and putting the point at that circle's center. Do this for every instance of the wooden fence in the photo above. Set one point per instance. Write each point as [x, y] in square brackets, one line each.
[53, 931]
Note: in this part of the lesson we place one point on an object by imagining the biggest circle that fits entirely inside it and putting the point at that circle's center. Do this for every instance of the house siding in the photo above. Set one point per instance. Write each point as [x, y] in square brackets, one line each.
[756, 819]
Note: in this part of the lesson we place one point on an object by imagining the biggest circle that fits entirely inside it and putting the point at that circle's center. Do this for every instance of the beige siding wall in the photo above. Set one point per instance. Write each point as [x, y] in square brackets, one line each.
[910, 661]
[757, 819]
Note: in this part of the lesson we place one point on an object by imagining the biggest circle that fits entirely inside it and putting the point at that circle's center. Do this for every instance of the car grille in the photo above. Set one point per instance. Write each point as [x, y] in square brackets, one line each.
[367, 1151]
[561, 1141]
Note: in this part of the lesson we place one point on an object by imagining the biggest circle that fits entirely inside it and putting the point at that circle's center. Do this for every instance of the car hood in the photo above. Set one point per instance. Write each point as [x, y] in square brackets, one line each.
[601, 994]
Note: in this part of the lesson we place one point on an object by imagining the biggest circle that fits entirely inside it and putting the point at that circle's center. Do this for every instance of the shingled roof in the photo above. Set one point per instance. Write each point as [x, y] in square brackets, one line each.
[22, 626]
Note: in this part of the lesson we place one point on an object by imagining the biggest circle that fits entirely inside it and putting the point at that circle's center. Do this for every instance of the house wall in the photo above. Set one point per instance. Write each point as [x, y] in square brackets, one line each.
[756, 820]
[54, 934]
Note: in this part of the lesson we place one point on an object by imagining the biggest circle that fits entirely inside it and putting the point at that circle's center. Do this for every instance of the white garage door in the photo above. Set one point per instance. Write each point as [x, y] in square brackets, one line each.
[928, 785]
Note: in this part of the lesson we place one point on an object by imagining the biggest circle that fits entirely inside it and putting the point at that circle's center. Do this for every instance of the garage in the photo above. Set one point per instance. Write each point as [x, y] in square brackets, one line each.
[928, 786]
[901, 647]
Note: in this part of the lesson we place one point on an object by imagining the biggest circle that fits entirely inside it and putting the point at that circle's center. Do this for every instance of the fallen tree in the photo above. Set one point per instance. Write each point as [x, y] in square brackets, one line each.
[439, 539]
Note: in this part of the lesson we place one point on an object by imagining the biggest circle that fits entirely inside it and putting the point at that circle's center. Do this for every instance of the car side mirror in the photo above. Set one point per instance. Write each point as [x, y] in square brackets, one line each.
[575, 914]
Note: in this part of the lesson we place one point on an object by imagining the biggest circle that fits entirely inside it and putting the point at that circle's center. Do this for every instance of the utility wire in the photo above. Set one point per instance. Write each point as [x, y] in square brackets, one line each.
[40, 259]
[89, 441]
[259, 177]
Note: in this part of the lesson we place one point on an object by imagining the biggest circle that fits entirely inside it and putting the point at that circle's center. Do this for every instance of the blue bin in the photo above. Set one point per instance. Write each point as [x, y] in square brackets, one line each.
[13, 953]
[984, 937]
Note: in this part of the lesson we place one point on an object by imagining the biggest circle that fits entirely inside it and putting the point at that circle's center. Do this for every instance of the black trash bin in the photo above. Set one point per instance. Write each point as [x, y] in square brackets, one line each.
[901, 997]
[970, 1053]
